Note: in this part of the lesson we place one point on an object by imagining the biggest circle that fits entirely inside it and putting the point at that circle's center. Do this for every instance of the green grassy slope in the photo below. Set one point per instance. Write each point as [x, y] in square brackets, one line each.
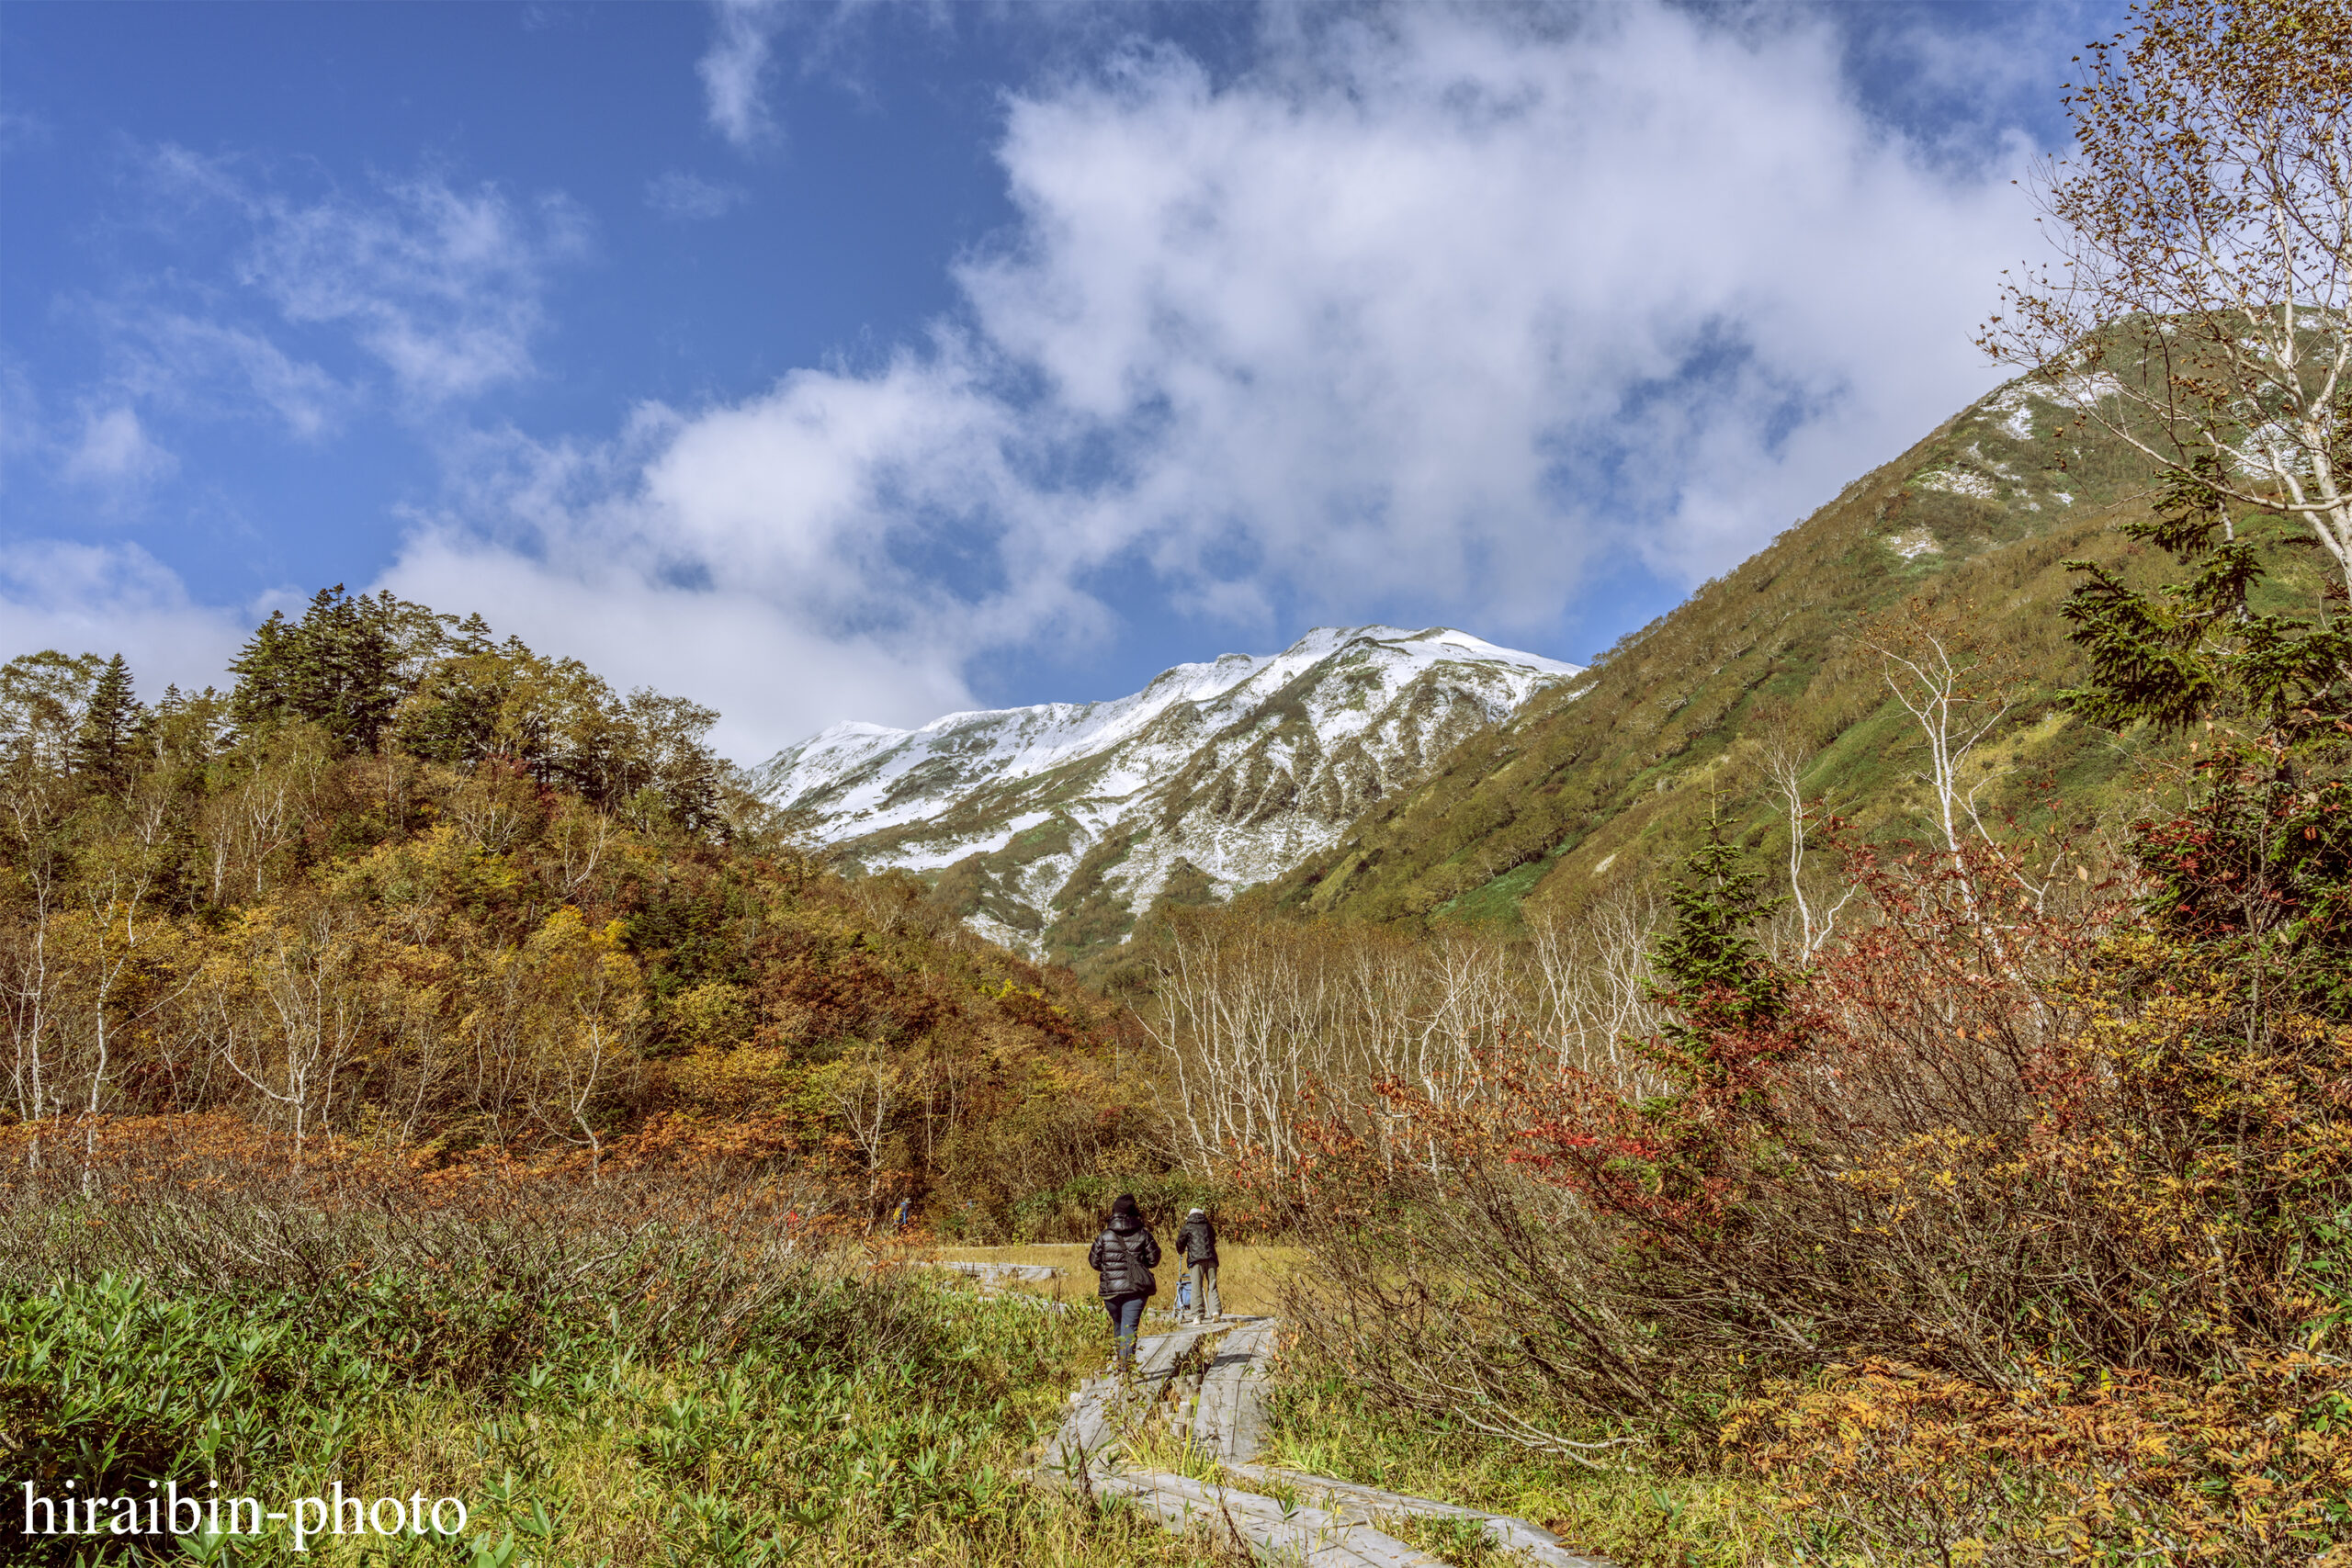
[1618, 774]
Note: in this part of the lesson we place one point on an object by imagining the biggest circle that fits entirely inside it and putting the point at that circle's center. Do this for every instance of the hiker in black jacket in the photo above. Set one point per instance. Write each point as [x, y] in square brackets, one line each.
[1124, 1254]
[1196, 1245]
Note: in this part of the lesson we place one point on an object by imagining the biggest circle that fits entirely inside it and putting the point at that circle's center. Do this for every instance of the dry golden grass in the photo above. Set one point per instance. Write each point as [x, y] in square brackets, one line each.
[1248, 1278]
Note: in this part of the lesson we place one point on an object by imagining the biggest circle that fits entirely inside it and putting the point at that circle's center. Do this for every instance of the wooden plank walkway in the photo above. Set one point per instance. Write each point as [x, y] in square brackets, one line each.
[1223, 1415]
[1028, 1273]
[1321, 1538]
[1105, 1408]
[1346, 1499]
[1232, 1422]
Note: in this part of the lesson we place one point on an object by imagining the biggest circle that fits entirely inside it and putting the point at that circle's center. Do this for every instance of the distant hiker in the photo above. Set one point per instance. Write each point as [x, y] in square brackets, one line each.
[1196, 1244]
[1124, 1254]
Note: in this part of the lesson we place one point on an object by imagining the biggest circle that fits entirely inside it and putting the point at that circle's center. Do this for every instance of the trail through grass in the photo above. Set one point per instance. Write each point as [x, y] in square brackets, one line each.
[852, 1416]
[1249, 1277]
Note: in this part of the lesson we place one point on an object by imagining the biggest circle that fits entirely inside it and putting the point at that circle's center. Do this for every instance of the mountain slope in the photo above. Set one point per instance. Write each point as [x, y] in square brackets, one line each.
[1053, 828]
[1619, 772]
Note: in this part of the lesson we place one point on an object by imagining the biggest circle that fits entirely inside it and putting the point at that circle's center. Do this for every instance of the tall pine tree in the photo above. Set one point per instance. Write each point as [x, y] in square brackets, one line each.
[102, 742]
[1711, 969]
[345, 666]
[1726, 1000]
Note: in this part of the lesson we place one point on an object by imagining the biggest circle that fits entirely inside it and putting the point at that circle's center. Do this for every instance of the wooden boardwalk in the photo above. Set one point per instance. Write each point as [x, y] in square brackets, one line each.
[1218, 1402]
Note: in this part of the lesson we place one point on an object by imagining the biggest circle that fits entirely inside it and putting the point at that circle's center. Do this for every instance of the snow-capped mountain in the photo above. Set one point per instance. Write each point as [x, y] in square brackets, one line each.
[1053, 828]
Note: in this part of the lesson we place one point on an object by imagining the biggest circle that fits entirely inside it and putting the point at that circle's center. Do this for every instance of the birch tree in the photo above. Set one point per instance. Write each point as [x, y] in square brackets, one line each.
[292, 1009]
[597, 1009]
[1957, 689]
[2203, 226]
[867, 1089]
[1817, 916]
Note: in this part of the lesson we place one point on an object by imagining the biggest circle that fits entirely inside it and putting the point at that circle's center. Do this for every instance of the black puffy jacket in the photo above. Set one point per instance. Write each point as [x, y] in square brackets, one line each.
[1124, 1255]
[1196, 1242]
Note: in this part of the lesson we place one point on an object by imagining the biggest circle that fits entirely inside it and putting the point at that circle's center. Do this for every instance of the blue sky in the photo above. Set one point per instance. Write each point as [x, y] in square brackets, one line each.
[870, 361]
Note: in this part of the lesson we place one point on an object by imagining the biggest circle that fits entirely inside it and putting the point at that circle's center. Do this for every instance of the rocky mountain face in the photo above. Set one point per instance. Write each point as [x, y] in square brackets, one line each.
[1053, 828]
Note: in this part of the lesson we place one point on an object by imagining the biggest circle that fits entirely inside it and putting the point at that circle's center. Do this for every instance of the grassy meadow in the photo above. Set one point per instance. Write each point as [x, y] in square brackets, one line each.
[652, 1369]
[637, 1371]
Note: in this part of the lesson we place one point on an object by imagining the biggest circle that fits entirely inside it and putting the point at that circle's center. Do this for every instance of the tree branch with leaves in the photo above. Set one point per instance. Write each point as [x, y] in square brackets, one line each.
[2198, 307]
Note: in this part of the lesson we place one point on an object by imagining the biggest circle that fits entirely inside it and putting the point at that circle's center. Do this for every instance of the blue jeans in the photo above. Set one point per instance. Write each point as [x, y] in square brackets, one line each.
[1202, 1280]
[1127, 1316]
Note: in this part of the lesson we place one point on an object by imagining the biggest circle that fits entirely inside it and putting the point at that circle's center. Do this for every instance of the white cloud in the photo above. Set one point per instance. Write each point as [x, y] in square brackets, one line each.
[734, 70]
[773, 680]
[112, 598]
[1952, 82]
[424, 296]
[115, 451]
[683, 195]
[1437, 315]
[738, 67]
[1436, 318]
[443, 287]
[196, 366]
[748, 557]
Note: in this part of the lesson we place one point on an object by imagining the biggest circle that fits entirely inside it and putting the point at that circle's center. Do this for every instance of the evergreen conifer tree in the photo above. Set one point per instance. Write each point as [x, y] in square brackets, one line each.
[1710, 970]
[1725, 997]
[102, 742]
[2256, 872]
[2199, 647]
[345, 666]
[264, 668]
[472, 637]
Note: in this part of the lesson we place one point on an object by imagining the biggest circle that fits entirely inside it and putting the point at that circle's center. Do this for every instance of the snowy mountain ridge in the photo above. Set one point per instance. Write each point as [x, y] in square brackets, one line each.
[1053, 828]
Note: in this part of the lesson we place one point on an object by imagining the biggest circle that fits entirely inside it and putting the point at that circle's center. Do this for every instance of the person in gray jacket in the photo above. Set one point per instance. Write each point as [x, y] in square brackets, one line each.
[1196, 1244]
[1124, 1254]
